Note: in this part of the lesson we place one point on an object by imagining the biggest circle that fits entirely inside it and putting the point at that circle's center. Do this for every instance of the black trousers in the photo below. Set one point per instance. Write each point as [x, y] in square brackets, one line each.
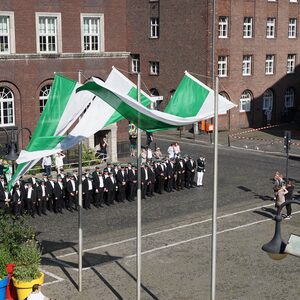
[99, 199]
[121, 192]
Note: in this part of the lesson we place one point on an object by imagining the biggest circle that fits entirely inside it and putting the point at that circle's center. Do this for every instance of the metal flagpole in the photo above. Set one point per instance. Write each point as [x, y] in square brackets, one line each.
[215, 197]
[139, 204]
[79, 209]
[215, 189]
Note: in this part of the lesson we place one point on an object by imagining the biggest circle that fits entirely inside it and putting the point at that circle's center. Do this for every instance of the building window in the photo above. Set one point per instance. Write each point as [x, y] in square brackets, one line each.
[7, 34]
[268, 100]
[247, 63]
[48, 32]
[92, 32]
[154, 68]
[44, 95]
[289, 97]
[247, 29]
[245, 101]
[223, 27]
[291, 63]
[271, 28]
[293, 1]
[154, 28]
[269, 69]
[6, 107]
[222, 66]
[292, 33]
[135, 63]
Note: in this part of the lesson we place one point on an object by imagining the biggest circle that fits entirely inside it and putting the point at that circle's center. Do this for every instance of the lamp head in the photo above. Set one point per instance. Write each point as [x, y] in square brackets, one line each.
[12, 154]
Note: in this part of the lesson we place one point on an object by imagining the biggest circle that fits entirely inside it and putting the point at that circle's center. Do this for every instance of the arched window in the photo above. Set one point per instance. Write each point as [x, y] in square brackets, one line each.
[225, 95]
[6, 107]
[268, 100]
[44, 95]
[289, 97]
[245, 101]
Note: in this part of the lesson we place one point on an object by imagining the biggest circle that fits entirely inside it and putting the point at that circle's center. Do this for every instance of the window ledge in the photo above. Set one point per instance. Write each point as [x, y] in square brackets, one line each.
[121, 54]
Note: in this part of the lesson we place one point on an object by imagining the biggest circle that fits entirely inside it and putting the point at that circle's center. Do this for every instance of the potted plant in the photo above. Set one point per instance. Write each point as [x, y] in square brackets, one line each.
[4, 279]
[26, 271]
[24, 253]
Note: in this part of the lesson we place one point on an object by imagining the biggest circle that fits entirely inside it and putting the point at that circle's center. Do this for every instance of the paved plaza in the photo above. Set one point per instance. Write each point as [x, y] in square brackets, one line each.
[176, 230]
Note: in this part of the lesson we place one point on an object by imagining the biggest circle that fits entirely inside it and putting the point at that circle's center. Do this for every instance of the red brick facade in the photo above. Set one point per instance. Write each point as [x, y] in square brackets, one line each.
[26, 71]
[185, 43]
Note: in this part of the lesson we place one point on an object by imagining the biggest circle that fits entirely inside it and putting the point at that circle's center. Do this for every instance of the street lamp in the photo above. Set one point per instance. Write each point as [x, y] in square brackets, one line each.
[276, 247]
[12, 145]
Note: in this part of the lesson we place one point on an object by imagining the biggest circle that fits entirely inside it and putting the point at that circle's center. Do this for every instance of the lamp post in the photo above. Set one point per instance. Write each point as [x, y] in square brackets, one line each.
[276, 247]
[13, 146]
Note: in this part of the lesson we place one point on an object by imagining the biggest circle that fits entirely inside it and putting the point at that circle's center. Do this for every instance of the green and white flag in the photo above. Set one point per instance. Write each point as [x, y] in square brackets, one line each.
[62, 109]
[193, 98]
[194, 102]
[98, 114]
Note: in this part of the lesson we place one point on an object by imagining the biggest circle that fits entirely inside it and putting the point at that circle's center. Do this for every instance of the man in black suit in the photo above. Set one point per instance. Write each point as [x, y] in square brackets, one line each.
[170, 175]
[5, 200]
[30, 199]
[180, 168]
[17, 201]
[151, 180]
[98, 186]
[59, 194]
[33, 180]
[190, 167]
[110, 188]
[121, 182]
[42, 198]
[160, 174]
[50, 192]
[132, 182]
[87, 191]
[144, 181]
[72, 194]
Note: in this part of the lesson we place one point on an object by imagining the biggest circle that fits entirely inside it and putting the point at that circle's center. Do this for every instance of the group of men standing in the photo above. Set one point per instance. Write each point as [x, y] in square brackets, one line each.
[116, 182]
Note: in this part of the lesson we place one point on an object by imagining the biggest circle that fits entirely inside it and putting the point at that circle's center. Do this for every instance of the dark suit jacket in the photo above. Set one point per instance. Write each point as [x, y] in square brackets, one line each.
[109, 185]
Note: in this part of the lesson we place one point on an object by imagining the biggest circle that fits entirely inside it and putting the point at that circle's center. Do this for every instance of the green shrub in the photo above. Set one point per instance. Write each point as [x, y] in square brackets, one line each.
[5, 259]
[14, 233]
[27, 261]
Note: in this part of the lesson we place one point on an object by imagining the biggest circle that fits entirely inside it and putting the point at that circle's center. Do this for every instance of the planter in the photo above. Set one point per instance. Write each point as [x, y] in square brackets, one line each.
[3, 284]
[25, 287]
[11, 293]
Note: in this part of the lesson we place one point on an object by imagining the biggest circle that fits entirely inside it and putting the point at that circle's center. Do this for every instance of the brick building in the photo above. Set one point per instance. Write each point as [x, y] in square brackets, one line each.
[256, 52]
[38, 38]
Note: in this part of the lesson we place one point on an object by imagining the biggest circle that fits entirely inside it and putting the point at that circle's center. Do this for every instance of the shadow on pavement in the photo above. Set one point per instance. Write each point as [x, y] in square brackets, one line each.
[262, 197]
[133, 277]
[264, 214]
[50, 246]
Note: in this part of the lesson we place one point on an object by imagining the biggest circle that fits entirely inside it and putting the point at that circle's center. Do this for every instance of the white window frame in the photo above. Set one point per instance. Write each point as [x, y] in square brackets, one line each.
[11, 31]
[269, 66]
[248, 28]
[291, 63]
[223, 66]
[292, 30]
[101, 38]
[223, 27]
[247, 65]
[245, 101]
[44, 95]
[6, 100]
[135, 63]
[289, 98]
[154, 68]
[268, 100]
[271, 28]
[58, 34]
[154, 28]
